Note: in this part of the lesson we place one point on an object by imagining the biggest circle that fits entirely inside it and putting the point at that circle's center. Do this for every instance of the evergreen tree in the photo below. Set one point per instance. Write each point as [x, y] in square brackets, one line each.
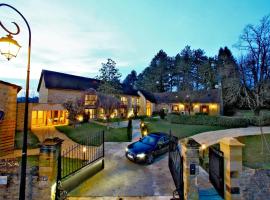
[110, 77]
[131, 79]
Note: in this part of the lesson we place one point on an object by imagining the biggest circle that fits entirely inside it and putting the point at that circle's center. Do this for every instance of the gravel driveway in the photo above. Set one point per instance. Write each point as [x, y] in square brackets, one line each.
[124, 178]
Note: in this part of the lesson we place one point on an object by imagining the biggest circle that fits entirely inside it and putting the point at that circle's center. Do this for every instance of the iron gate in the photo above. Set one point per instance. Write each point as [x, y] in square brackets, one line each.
[176, 166]
[216, 170]
[78, 156]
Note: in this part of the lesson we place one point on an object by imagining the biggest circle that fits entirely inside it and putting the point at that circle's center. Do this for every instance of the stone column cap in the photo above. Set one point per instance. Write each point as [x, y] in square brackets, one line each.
[190, 142]
[230, 141]
[52, 141]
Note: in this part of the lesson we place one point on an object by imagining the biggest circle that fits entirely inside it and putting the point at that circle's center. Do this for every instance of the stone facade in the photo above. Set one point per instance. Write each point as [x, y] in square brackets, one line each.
[232, 150]
[36, 188]
[190, 153]
[211, 108]
[255, 184]
[8, 96]
[20, 115]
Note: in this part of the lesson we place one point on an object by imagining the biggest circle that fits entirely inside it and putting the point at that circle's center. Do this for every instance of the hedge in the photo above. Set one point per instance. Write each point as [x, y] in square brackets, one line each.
[228, 122]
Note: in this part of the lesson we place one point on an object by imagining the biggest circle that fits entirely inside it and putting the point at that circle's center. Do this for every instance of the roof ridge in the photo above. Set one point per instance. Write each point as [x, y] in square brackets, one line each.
[72, 75]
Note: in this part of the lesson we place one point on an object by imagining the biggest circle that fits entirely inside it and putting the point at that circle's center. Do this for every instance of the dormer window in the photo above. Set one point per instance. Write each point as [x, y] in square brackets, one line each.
[90, 100]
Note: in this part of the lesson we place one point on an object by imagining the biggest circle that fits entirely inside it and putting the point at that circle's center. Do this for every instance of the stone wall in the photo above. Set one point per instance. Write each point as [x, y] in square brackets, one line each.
[61, 96]
[255, 184]
[8, 101]
[37, 188]
[20, 115]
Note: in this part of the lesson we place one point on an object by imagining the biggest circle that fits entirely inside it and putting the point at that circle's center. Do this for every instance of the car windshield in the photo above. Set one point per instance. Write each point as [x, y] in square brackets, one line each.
[149, 140]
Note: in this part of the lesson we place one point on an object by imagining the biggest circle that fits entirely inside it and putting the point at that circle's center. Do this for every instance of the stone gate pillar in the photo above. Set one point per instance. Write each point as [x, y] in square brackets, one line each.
[49, 151]
[190, 153]
[232, 150]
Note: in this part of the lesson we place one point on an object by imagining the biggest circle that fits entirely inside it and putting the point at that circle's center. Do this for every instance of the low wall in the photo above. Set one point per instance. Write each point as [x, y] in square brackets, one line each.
[37, 188]
[255, 184]
[71, 182]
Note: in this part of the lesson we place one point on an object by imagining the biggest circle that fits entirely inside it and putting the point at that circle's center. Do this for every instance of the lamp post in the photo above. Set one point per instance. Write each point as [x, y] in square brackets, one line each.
[10, 48]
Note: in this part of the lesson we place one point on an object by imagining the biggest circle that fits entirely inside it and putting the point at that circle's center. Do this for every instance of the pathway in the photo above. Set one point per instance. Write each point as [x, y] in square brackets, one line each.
[52, 132]
[136, 130]
[206, 189]
[212, 137]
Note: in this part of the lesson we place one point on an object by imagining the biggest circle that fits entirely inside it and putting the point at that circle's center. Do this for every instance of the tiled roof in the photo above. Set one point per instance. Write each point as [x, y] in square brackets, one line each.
[202, 96]
[57, 80]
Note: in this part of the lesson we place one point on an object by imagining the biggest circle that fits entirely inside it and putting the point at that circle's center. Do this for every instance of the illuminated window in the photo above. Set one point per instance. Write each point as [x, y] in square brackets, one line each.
[148, 109]
[90, 100]
[91, 113]
[124, 100]
[138, 101]
[175, 108]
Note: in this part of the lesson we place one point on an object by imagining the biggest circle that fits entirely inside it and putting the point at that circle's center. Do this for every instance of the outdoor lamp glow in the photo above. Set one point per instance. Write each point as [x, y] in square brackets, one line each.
[9, 47]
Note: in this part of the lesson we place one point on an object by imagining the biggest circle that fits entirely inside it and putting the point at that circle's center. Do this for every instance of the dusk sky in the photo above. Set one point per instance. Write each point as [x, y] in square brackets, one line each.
[77, 36]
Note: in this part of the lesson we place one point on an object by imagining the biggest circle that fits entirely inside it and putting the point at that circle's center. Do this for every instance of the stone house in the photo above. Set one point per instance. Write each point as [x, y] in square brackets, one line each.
[55, 88]
[8, 109]
[189, 102]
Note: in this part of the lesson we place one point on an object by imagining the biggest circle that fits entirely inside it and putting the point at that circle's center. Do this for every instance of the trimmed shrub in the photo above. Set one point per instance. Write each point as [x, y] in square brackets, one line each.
[201, 113]
[228, 122]
[129, 129]
[162, 114]
[260, 121]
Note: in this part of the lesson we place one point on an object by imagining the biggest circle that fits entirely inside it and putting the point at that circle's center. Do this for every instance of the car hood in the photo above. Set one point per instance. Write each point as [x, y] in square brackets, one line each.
[139, 147]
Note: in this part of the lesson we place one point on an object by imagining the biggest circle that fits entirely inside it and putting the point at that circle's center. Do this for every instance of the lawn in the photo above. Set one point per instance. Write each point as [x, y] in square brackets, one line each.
[32, 140]
[179, 130]
[79, 133]
[252, 152]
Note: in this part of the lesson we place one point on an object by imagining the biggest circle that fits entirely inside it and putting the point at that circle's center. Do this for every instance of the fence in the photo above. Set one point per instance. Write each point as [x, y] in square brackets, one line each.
[80, 155]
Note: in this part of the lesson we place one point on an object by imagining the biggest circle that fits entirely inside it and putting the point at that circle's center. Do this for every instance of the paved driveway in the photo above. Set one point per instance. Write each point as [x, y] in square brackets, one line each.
[124, 178]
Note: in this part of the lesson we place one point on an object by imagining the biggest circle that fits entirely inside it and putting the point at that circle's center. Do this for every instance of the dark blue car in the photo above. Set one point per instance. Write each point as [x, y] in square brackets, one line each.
[148, 147]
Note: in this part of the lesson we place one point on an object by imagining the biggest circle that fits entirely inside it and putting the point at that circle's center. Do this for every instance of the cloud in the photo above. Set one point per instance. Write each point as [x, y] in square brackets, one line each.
[63, 39]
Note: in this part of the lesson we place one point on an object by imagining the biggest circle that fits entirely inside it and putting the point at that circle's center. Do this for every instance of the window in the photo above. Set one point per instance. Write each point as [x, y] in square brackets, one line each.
[124, 100]
[133, 100]
[138, 101]
[175, 108]
[148, 108]
[91, 113]
[90, 100]
[101, 113]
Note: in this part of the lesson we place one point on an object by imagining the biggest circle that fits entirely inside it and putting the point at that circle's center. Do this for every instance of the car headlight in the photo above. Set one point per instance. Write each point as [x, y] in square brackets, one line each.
[141, 155]
[126, 149]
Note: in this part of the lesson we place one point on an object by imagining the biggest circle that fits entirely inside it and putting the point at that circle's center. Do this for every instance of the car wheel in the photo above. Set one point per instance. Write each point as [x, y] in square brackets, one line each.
[150, 159]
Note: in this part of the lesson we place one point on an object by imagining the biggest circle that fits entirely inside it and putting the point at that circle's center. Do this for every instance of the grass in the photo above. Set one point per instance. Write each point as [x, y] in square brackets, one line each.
[77, 134]
[32, 140]
[32, 161]
[179, 130]
[252, 152]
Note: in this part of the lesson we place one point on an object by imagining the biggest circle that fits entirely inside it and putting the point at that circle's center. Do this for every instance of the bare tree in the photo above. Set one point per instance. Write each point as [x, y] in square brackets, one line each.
[75, 109]
[254, 43]
[109, 103]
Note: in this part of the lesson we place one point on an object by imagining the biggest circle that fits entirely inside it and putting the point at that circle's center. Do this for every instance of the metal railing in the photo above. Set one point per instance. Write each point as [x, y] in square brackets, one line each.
[80, 155]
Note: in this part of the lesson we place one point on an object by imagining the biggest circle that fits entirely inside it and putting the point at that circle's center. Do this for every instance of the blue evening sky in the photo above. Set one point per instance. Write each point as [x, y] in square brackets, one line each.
[77, 36]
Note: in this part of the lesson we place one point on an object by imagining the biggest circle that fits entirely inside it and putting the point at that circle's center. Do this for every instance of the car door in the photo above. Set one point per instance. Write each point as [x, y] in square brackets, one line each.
[166, 143]
[160, 146]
